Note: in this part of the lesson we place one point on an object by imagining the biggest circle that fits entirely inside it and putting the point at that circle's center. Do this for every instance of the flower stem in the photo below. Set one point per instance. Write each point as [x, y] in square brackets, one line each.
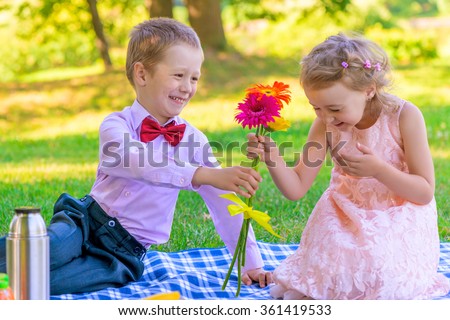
[240, 251]
[236, 255]
[239, 269]
[245, 225]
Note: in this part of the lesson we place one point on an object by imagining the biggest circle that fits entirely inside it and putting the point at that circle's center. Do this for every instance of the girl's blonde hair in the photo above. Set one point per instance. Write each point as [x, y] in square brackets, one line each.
[355, 60]
[150, 39]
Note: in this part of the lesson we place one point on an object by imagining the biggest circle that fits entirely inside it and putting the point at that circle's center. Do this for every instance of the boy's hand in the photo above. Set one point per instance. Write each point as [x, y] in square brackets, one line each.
[243, 181]
[259, 275]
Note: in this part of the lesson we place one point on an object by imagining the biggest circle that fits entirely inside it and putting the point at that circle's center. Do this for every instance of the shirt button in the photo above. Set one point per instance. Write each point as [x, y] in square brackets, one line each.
[182, 180]
[127, 193]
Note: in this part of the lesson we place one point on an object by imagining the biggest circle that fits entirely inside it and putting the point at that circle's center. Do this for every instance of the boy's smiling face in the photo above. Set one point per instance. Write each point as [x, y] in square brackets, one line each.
[166, 89]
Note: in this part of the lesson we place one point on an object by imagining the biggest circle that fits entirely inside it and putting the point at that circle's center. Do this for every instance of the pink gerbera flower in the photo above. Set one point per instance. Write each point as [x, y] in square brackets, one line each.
[257, 110]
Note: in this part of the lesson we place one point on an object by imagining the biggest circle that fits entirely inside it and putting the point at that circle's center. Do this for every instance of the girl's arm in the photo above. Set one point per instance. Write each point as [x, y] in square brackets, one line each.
[416, 186]
[293, 182]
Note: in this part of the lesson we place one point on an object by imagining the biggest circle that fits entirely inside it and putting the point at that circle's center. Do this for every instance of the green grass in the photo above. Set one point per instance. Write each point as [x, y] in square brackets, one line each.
[49, 141]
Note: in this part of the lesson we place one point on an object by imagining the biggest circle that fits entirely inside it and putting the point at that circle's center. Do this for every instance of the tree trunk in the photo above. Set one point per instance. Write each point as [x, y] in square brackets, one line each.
[159, 8]
[205, 18]
[102, 43]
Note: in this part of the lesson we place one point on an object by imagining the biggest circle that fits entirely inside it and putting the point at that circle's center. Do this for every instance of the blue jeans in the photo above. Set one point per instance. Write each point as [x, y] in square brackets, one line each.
[89, 250]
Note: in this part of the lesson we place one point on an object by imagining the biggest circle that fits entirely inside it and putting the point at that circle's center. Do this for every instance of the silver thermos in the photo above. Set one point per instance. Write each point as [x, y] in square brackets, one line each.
[28, 255]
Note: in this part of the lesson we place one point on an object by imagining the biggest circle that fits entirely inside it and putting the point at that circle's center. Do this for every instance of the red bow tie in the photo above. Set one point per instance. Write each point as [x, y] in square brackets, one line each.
[150, 129]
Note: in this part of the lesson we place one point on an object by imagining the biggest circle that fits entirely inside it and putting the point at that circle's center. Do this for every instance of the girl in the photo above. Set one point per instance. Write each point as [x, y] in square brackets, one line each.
[373, 233]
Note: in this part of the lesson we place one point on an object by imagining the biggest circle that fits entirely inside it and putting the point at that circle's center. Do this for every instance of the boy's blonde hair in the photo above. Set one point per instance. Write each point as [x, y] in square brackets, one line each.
[150, 39]
[355, 60]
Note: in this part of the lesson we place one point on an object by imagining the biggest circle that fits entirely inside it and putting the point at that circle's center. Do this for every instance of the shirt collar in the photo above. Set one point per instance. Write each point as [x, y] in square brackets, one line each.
[139, 113]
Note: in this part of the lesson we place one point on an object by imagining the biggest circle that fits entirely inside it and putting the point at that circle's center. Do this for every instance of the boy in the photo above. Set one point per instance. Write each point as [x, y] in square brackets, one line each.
[147, 154]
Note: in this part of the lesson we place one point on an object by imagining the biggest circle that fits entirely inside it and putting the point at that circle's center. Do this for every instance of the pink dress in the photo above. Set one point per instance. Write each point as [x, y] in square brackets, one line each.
[361, 240]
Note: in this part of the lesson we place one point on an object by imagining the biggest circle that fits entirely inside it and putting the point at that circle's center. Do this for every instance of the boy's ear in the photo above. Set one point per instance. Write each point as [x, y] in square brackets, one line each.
[140, 74]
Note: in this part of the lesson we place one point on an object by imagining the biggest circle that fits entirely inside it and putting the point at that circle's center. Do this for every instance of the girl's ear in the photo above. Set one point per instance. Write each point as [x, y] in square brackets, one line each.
[370, 92]
[140, 74]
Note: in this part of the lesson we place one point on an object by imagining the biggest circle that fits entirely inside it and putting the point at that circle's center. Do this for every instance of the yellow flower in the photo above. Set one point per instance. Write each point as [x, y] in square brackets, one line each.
[239, 206]
[280, 124]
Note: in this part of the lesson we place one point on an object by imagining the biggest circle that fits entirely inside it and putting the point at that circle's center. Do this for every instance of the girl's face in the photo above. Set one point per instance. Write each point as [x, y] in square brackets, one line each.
[340, 106]
[167, 88]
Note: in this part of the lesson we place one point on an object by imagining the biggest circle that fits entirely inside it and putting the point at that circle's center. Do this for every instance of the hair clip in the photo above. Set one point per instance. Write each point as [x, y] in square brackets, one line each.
[367, 64]
[344, 64]
[377, 66]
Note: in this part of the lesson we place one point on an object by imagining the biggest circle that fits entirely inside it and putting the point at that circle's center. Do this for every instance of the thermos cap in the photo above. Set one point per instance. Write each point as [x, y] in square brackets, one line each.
[27, 210]
[27, 222]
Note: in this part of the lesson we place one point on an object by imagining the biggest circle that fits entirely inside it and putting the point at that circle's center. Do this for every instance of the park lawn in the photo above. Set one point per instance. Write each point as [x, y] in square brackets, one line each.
[49, 140]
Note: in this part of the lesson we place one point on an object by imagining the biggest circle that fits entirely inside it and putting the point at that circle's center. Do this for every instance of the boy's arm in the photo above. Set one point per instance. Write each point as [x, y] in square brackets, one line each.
[243, 181]
[122, 155]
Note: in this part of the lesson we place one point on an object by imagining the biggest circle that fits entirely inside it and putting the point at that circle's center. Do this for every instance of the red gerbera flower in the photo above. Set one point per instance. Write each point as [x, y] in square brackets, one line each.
[278, 90]
[257, 110]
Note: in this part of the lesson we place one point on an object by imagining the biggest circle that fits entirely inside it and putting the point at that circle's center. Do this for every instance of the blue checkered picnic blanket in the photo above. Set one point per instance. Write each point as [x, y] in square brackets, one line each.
[199, 274]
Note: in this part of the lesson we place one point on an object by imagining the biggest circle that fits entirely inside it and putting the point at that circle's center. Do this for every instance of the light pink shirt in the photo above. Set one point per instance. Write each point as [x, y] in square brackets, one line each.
[139, 183]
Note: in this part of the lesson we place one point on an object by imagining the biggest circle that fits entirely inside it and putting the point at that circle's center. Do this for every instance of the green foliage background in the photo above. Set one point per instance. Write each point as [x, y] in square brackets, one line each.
[42, 34]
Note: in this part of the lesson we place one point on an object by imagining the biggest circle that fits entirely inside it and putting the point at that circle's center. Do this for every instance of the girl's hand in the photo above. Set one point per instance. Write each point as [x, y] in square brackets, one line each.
[365, 165]
[261, 146]
[259, 275]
